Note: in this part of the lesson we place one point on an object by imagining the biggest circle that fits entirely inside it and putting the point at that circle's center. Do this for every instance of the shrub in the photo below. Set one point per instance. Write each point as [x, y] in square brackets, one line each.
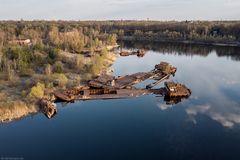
[112, 39]
[52, 54]
[49, 85]
[78, 63]
[58, 67]
[37, 91]
[60, 79]
[10, 73]
[28, 72]
[104, 53]
[48, 69]
[38, 58]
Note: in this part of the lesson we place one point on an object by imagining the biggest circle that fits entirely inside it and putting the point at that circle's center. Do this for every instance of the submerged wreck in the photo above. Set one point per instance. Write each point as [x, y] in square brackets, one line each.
[110, 87]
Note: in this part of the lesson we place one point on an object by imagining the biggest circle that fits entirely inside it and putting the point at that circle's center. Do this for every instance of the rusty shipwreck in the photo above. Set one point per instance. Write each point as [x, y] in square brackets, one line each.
[110, 87]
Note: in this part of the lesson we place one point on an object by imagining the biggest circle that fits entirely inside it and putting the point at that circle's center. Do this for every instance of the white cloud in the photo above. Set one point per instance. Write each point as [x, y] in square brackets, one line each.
[227, 117]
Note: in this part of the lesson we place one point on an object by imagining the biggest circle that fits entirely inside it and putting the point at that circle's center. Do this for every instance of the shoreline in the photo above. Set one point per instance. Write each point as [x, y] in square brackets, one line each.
[15, 103]
[143, 39]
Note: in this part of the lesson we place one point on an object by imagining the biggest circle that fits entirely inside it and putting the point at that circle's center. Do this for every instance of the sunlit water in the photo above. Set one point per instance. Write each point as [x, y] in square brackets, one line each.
[205, 126]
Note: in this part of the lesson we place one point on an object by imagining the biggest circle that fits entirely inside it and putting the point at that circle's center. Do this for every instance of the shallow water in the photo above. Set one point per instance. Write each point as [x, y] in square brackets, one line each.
[204, 126]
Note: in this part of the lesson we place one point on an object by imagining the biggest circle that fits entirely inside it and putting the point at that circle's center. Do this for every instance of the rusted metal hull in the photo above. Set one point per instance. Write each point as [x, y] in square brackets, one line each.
[94, 94]
[48, 107]
[64, 96]
[139, 53]
[116, 94]
[177, 90]
[109, 87]
[161, 72]
[121, 82]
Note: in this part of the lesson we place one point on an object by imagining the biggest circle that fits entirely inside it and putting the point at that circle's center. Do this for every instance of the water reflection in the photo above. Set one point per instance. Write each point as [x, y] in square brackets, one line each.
[211, 74]
[186, 49]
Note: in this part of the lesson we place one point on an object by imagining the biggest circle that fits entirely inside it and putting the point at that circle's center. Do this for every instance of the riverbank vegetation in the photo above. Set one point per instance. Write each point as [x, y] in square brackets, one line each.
[39, 57]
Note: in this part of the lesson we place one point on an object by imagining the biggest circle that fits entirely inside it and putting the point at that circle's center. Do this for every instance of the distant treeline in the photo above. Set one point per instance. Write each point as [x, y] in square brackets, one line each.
[76, 35]
[185, 49]
[202, 32]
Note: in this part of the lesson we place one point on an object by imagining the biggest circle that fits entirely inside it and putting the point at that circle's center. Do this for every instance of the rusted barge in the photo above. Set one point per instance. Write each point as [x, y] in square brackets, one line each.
[139, 53]
[110, 87]
[161, 72]
[97, 94]
[176, 89]
[170, 90]
[48, 106]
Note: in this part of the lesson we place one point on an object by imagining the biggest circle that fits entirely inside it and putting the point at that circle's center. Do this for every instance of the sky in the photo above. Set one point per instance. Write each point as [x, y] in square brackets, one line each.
[120, 9]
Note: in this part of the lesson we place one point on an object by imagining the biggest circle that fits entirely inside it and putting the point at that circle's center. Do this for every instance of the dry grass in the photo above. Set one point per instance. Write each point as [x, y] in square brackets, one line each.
[12, 108]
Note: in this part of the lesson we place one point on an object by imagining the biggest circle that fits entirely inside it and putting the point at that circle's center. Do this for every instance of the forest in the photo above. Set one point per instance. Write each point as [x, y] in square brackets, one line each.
[206, 32]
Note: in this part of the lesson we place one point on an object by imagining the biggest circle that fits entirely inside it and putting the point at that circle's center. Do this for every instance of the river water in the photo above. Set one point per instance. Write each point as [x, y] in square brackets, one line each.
[204, 126]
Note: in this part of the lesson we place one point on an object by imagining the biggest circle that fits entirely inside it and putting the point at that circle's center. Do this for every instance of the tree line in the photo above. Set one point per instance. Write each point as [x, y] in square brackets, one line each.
[202, 31]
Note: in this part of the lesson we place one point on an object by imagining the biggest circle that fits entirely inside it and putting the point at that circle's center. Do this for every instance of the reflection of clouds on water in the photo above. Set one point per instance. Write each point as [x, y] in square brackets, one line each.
[214, 83]
[224, 111]
[215, 88]
[226, 115]
[197, 109]
[230, 81]
[227, 120]
[164, 106]
[215, 102]
[216, 96]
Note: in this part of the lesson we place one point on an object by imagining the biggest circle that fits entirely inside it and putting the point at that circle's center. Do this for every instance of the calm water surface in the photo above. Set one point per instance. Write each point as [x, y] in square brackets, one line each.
[205, 126]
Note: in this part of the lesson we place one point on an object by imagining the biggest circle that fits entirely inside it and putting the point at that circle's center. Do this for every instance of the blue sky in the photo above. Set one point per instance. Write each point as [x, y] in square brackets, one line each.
[120, 9]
